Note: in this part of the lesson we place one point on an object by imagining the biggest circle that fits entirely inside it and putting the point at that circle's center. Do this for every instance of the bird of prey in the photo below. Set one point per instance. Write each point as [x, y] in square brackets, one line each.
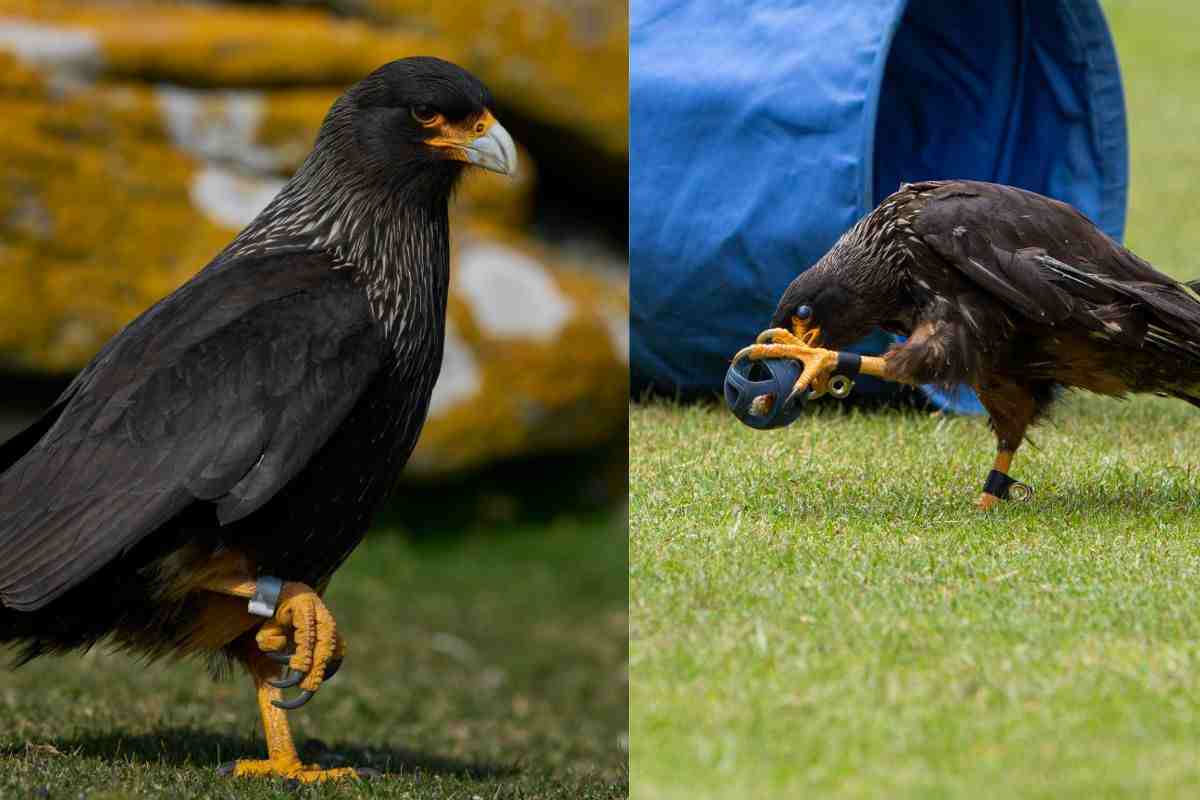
[232, 443]
[997, 288]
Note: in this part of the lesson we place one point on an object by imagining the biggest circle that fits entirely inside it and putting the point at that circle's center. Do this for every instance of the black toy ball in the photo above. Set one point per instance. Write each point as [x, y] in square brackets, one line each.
[771, 379]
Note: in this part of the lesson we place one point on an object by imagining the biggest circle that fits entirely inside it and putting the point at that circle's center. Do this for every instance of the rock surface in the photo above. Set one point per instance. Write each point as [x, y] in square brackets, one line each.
[140, 137]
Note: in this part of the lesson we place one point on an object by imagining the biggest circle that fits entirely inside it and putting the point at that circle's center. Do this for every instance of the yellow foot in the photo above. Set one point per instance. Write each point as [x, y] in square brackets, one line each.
[305, 773]
[819, 363]
[986, 502]
[301, 619]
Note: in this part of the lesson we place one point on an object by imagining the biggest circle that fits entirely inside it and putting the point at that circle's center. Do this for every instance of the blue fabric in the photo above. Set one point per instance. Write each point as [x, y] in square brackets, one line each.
[761, 130]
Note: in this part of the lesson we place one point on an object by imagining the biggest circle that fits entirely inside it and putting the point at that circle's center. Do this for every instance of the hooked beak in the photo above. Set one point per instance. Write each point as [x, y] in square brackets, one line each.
[483, 143]
[494, 150]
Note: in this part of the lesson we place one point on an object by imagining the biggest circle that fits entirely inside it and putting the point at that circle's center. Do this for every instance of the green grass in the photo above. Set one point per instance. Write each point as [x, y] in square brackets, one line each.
[488, 664]
[819, 612]
[1160, 62]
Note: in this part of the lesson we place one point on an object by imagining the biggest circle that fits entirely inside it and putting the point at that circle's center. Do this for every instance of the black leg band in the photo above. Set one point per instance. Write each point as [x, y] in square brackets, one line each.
[849, 364]
[998, 484]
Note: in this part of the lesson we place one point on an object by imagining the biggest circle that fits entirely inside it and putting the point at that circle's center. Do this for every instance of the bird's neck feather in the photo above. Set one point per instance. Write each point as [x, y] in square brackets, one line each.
[392, 232]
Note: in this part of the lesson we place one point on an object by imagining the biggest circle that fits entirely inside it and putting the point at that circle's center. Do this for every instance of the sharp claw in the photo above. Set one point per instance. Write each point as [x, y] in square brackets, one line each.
[226, 769]
[290, 678]
[773, 335]
[743, 353]
[332, 667]
[279, 656]
[367, 773]
[797, 390]
[291, 705]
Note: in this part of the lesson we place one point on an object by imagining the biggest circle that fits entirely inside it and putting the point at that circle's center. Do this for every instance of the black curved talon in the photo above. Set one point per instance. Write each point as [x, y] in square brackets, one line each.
[290, 678]
[285, 658]
[226, 769]
[291, 705]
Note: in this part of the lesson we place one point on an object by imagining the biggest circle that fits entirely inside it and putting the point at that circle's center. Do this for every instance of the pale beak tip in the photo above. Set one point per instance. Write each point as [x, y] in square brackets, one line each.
[495, 151]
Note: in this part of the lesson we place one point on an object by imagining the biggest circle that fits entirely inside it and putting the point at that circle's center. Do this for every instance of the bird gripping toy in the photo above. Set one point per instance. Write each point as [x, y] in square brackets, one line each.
[759, 393]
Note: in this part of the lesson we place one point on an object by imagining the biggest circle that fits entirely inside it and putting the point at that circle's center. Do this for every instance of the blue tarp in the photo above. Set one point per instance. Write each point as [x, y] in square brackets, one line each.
[762, 129]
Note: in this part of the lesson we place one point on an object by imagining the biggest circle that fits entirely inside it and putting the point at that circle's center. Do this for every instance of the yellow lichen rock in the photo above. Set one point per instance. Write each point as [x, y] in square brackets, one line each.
[96, 222]
[217, 45]
[563, 64]
[536, 355]
[138, 138]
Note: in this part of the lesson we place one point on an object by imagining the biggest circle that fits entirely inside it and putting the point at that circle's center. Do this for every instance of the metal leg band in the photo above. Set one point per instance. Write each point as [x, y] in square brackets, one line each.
[266, 596]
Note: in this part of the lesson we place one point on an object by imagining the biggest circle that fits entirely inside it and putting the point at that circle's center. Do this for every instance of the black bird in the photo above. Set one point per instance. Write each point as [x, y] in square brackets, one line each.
[1006, 291]
[233, 441]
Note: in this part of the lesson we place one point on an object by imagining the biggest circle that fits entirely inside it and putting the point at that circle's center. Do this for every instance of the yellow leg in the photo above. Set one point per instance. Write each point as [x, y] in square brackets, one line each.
[300, 617]
[1002, 463]
[282, 761]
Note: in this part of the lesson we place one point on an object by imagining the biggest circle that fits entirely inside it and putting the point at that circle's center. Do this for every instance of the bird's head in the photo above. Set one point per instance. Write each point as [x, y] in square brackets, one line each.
[421, 116]
[825, 310]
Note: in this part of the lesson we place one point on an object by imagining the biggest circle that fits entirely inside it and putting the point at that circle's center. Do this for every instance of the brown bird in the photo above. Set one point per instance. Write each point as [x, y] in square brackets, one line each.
[1006, 291]
[233, 442]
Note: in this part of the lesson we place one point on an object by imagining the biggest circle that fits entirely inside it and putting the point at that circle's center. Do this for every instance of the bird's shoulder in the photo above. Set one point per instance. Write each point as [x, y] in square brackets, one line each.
[257, 296]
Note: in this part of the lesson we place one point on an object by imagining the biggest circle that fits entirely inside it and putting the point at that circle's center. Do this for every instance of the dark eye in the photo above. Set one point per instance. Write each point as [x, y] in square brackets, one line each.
[426, 115]
[804, 312]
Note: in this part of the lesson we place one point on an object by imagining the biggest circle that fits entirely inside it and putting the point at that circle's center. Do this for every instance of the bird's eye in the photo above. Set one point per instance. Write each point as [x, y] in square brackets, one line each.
[426, 115]
[804, 312]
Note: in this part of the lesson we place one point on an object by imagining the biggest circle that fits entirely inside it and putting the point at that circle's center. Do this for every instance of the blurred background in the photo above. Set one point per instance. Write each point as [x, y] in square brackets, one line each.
[832, 105]
[138, 137]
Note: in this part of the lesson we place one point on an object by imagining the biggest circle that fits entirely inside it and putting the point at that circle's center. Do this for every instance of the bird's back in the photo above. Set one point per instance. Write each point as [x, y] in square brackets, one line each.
[1012, 219]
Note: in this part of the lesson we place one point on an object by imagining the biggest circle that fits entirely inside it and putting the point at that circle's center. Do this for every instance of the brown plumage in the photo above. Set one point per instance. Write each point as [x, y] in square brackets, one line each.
[1003, 290]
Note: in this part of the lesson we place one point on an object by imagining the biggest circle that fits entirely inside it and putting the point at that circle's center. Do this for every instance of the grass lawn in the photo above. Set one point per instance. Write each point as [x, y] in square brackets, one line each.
[819, 612]
[489, 663]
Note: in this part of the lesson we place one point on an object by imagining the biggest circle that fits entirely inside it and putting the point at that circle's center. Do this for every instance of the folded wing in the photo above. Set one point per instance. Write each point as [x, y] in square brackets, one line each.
[221, 393]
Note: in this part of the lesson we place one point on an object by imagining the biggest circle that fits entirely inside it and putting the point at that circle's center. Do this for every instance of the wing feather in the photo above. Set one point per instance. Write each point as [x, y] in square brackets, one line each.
[221, 393]
[1048, 263]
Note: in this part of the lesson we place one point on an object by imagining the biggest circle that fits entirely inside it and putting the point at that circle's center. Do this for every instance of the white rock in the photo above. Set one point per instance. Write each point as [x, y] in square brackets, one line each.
[70, 55]
[232, 199]
[510, 294]
[217, 126]
[460, 379]
[618, 330]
